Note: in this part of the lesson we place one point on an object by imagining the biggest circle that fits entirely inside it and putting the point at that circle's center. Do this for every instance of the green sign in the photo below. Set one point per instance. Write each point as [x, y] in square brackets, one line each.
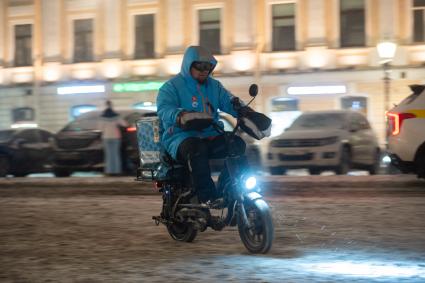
[136, 86]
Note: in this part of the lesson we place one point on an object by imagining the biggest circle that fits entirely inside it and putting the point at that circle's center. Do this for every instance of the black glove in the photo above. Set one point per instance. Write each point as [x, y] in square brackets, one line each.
[194, 121]
[244, 110]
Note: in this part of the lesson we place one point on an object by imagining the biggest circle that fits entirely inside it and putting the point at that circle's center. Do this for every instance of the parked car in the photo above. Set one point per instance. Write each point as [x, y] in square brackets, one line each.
[25, 151]
[406, 133]
[78, 146]
[325, 140]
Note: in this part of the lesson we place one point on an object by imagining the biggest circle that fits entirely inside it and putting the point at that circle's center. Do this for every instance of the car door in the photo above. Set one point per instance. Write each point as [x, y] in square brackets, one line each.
[46, 149]
[361, 139]
[27, 154]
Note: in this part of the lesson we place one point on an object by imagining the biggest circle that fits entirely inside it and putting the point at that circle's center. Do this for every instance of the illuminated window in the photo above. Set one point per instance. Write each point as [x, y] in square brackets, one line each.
[23, 114]
[356, 103]
[23, 45]
[83, 40]
[283, 22]
[352, 23]
[77, 110]
[418, 20]
[209, 29]
[147, 105]
[145, 37]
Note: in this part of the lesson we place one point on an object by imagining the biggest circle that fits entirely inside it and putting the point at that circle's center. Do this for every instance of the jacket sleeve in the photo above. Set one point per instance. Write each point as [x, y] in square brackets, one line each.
[168, 104]
[225, 103]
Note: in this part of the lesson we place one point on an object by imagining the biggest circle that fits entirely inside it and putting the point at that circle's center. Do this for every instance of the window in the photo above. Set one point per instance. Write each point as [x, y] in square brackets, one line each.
[283, 27]
[77, 110]
[209, 30]
[83, 40]
[356, 103]
[23, 114]
[144, 39]
[419, 21]
[352, 23]
[23, 45]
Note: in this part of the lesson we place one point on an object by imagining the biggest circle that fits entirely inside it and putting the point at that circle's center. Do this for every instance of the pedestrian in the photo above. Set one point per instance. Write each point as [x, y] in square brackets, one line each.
[193, 92]
[110, 123]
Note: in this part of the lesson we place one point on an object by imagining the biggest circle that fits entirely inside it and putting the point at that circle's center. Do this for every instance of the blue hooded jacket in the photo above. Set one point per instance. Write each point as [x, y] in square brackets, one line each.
[184, 93]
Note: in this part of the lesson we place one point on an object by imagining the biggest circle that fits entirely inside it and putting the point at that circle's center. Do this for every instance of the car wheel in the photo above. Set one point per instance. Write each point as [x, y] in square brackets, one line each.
[374, 168]
[277, 171]
[62, 173]
[4, 166]
[345, 162]
[420, 163]
[314, 171]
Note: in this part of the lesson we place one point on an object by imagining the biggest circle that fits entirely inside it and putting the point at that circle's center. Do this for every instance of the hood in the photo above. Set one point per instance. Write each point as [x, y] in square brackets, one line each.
[195, 53]
[309, 134]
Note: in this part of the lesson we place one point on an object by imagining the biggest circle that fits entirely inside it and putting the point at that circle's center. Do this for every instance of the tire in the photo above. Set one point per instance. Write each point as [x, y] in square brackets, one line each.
[374, 168]
[420, 163]
[344, 163]
[182, 232]
[61, 173]
[4, 166]
[259, 238]
[277, 171]
[314, 171]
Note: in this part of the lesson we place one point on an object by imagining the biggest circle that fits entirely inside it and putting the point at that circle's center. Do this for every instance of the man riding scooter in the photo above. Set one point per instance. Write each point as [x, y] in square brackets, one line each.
[187, 105]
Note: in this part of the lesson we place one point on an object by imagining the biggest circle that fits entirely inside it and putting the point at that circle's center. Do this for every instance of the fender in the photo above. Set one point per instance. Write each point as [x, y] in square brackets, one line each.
[254, 196]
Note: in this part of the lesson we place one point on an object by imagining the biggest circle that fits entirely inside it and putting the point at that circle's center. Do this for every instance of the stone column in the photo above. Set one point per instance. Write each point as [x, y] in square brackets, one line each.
[51, 30]
[175, 32]
[112, 28]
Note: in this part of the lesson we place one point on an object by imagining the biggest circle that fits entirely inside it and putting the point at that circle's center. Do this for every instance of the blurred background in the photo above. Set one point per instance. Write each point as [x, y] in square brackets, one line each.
[62, 58]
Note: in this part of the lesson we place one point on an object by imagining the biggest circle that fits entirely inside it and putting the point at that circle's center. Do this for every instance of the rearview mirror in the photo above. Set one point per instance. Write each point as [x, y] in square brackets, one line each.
[253, 90]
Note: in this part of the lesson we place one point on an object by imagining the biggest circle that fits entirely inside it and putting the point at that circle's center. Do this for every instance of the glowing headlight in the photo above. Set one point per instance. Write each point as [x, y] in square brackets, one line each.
[250, 182]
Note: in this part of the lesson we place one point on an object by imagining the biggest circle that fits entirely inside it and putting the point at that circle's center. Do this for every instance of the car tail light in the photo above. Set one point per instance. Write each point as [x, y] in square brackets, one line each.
[395, 120]
[131, 129]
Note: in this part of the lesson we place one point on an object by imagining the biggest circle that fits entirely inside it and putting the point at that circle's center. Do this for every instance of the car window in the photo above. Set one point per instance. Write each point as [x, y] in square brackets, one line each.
[30, 135]
[82, 125]
[6, 135]
[364, 123]
[45, 136]
[318, 120]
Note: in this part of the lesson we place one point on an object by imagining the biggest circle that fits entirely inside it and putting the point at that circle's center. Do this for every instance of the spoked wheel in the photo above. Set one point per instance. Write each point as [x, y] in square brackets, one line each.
[183, 232]
[258, 236]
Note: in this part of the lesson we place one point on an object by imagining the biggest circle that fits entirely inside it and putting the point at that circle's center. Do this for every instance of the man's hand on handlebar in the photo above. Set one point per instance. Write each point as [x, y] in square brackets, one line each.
[194, 121]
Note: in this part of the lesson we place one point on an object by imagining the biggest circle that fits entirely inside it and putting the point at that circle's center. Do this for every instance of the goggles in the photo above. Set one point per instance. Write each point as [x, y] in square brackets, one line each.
[202, 66]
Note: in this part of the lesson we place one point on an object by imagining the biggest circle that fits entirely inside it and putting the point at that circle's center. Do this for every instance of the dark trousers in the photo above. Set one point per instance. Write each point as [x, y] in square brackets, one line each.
[196, 152]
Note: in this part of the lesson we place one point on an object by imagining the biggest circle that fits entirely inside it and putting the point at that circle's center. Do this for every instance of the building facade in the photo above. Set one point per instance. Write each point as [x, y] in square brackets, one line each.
[59, 58]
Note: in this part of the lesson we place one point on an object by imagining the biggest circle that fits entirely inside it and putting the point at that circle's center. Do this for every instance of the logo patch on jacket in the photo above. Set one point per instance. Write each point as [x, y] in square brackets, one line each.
[194, 101]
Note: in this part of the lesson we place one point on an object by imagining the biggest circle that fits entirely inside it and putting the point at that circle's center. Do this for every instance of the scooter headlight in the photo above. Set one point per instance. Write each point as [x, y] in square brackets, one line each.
[250, 182]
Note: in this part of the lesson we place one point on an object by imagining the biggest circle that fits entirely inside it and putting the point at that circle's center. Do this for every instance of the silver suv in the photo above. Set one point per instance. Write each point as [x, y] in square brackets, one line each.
[325, 140]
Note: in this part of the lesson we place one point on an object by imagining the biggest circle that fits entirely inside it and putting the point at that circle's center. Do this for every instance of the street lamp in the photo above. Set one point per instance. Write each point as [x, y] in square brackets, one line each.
[386, 52]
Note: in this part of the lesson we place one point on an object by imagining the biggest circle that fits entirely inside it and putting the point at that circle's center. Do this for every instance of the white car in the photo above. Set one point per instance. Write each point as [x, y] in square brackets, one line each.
[325, 140]
[406, 133]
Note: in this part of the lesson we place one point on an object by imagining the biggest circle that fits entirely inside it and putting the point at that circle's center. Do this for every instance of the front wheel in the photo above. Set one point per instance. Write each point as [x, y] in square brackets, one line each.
[4, 166]
[183, 232]
[258, 236]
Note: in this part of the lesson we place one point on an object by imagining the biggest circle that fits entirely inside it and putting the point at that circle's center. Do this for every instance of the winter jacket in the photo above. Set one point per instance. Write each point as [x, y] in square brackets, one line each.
[109, 124]
[183, 93]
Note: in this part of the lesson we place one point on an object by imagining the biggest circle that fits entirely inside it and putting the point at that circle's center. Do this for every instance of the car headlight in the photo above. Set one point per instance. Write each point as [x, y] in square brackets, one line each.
[329, 140]
[250, 182]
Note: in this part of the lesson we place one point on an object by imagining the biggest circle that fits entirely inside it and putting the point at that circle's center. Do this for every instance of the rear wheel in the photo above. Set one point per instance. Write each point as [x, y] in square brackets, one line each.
[61, 173]
[258, 236]
[183, 232]
[420, 163]
[314, 171]
[4, 166]
[277, 171]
